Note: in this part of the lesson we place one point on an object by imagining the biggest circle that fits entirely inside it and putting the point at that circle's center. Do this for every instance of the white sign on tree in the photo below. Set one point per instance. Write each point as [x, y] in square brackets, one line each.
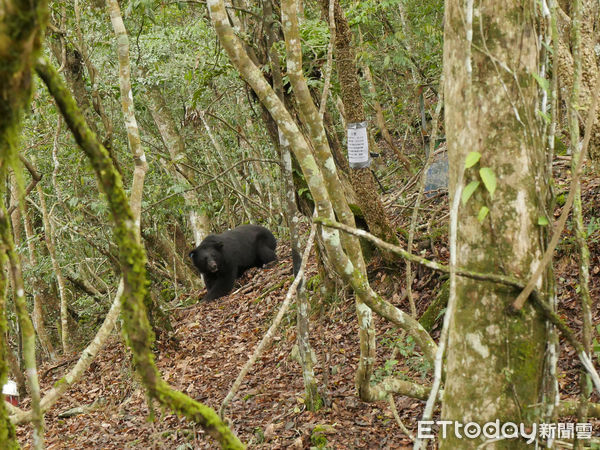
[358, 145]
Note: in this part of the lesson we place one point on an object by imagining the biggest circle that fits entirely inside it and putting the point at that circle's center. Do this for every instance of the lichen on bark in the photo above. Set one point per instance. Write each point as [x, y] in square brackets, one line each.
[494, 362]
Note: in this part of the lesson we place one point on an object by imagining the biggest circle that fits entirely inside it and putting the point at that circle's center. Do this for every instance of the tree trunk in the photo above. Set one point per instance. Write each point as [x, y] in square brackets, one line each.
[589, 66]
[362, 179]
[577, 214]
[26, 327]
[307, 360]
[494, 361]
[175, 145]
[38, 291]
[15, 370]
[50, 238]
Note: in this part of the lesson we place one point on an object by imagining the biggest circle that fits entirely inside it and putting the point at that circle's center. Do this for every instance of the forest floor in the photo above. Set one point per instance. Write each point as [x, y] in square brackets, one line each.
[212, 341]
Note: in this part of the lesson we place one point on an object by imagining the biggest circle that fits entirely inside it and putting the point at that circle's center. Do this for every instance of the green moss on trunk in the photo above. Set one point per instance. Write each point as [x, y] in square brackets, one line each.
[434, 310]
[132, 259]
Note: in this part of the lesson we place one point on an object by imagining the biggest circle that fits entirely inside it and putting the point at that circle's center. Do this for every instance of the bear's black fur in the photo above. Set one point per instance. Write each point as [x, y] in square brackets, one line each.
[221, 258]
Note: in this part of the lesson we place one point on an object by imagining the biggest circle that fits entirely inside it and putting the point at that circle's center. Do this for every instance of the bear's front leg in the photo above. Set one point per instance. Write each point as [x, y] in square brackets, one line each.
[220, 287]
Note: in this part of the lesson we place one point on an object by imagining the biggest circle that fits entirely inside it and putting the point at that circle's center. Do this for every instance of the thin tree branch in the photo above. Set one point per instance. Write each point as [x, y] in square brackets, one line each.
[562, 220]
[495, 278]
[268, 337]
[538, 300]
[216, 177]
[36, 177]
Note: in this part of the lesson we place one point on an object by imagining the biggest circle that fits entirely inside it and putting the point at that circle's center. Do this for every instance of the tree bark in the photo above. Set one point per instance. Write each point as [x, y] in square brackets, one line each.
[50, 238]
[494, 361]
[175, 145]
[38, 291]
[362, 179]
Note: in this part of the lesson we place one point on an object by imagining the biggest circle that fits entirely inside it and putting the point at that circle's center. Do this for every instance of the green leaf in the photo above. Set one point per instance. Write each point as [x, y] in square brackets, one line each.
[543, 221]
[542, 82]
[489, 179]
[468, 191]
[544, 116]
[483, 212]
[472, 159]
[548, 48]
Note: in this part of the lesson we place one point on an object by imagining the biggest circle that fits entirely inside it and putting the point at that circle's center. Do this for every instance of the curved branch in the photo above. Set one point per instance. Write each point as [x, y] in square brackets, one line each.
[562, 220]
[538, 300]
[132, 260]
[502, 279]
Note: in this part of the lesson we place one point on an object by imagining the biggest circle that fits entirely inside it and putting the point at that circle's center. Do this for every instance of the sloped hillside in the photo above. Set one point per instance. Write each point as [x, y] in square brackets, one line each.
[212, 341]
[210, 344]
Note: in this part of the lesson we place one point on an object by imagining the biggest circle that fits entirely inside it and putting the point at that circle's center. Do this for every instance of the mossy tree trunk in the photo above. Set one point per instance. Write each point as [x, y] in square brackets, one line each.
[362, 179]
[494, 361]
[22, 26]
[321, 176]
[132, 261]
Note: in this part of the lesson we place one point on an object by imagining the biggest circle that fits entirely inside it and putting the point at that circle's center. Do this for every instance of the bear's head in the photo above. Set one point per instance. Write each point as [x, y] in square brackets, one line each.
[208, 257]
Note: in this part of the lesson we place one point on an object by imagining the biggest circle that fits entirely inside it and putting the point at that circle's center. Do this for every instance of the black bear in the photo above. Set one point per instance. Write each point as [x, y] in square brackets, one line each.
[221, 258]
